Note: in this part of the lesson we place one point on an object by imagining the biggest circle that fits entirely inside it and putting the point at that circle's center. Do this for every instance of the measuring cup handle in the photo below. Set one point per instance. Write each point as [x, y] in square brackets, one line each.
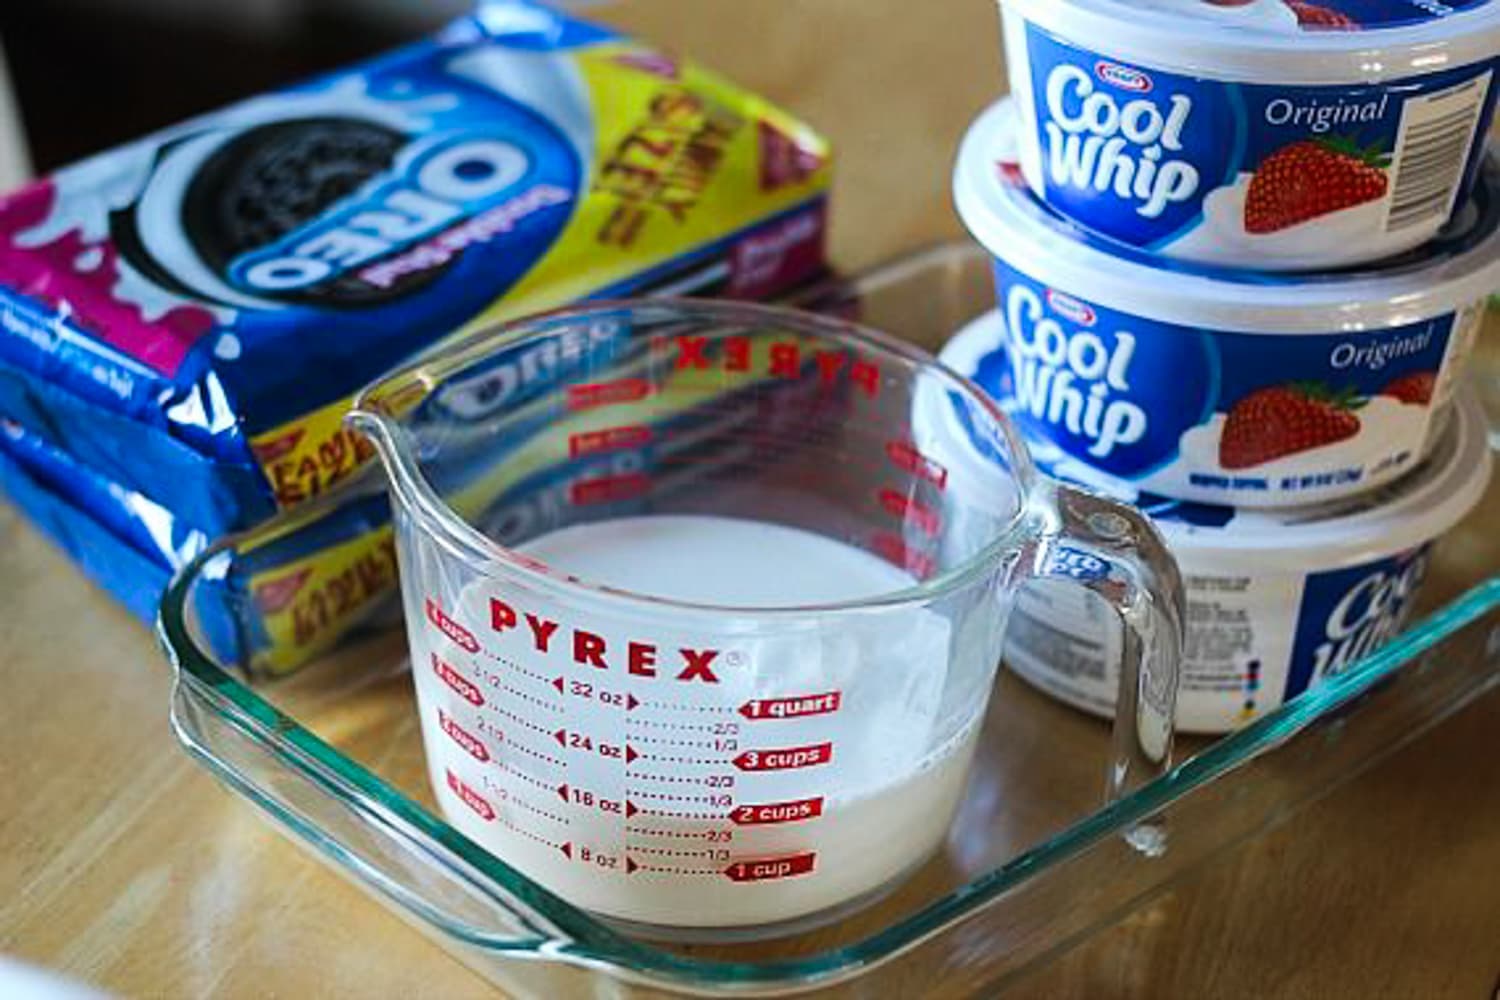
[1125, 562]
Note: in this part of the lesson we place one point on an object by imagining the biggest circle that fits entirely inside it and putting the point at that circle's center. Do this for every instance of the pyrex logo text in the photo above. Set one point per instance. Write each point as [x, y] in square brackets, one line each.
[1369, 614]
[586, 648]
[436, 186]
[1094, 141]
[1069, 380]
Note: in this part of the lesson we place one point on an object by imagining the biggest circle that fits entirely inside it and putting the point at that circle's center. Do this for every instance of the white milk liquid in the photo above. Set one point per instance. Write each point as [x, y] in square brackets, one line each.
[689, 832]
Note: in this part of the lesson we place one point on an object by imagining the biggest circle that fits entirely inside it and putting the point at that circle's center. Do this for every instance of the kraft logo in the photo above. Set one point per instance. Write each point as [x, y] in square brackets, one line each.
[1123, 77]
[1070, 308]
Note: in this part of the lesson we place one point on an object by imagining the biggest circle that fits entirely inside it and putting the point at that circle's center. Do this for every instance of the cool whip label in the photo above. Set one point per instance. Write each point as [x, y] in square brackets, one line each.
[1253, 642]
[1218, 416]
[1244, 173]
[1347, 614]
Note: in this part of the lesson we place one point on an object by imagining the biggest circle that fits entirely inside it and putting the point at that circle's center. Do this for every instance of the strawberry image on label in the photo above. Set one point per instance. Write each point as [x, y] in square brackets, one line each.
[1283, 420]
[1316, 17]
[1312, 178]
[1415, 388]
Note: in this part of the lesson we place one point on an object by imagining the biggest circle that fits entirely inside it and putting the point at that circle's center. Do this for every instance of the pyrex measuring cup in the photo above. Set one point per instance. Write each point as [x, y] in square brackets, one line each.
[670, 757]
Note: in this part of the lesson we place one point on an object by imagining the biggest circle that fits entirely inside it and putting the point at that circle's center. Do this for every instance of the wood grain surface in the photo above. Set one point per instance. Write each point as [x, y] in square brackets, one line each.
[123, 864]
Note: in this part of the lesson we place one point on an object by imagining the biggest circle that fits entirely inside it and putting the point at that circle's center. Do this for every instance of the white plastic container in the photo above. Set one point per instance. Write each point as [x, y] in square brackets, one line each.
[1277, 600]
[1215, 385]
[1268, 134]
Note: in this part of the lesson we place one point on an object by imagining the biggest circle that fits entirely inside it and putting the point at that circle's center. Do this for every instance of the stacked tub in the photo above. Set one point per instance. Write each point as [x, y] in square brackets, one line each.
[1242, 252]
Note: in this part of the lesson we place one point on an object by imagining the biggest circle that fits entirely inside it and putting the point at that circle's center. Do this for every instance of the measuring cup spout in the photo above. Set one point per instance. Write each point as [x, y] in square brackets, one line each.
[393, 447]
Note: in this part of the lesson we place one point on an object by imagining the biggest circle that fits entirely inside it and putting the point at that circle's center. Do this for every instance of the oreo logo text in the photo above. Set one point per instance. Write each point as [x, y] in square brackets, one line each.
[1072, 380]
[1096, 142]
[438, 185]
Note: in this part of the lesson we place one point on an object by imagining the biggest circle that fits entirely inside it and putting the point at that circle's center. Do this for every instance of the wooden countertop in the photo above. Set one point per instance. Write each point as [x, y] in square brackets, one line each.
[125, 865]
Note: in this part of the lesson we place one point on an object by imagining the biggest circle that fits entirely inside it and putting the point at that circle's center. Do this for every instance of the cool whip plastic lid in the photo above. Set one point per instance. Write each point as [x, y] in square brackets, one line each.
[1457, 268]
[1414, 509]
[1305, 41]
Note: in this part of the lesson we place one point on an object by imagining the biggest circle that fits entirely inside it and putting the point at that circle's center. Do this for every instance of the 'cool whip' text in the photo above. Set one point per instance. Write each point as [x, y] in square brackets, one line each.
[1067, 379]
[1095, 142]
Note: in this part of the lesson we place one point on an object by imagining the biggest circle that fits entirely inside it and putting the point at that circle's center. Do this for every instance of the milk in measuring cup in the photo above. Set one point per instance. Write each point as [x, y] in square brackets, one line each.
[640, 774]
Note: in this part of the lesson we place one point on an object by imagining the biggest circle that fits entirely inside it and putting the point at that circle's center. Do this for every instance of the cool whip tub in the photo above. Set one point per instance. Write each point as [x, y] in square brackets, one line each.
[1208, 384]
[1277, 600]
[1271, 134]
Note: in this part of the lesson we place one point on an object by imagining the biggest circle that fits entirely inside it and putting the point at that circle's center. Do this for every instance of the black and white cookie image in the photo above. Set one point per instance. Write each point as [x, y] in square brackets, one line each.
[273, 179]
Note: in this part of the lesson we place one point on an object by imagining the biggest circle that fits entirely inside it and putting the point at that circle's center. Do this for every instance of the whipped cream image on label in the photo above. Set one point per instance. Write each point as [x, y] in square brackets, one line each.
[1276, 169]
[1206, 384]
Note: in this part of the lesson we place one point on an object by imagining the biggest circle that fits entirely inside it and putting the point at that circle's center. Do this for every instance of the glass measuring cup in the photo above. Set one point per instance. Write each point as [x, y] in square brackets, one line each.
[724, 767]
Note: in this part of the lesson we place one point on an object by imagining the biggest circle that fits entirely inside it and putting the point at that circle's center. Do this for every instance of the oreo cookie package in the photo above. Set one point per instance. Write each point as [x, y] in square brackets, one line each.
[190, 314]
[122, 541]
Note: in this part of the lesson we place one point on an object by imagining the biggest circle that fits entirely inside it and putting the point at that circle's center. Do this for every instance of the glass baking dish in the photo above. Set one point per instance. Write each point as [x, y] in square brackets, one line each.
[1033, 864]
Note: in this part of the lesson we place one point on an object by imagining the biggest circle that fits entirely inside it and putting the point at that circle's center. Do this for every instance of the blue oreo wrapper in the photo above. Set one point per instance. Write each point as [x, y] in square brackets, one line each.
[189, 314]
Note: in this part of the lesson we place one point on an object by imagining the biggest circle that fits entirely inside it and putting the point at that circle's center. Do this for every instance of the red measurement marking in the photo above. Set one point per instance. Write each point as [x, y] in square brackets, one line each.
[540, 812]
[670, 759]
[681, 815]
[897, 552]
[907, 458]
[647, 831]
[766, 813]
[565, 847]
[771, 868]
[667, 741]
[529, 698]
[606, 489]
[670, 852]
[509, 664]
[521, 720]
[631, 867]
[911, 511]
[701, 727]
[791, 708]
[611, 439]
[669, 779]
[452, 629]
[529, 779]
[681, 707]
[462, 737]
[465, 688]
[587, 395]
[471, 798]
[548, 758]
[673, 797]
[786, 758]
